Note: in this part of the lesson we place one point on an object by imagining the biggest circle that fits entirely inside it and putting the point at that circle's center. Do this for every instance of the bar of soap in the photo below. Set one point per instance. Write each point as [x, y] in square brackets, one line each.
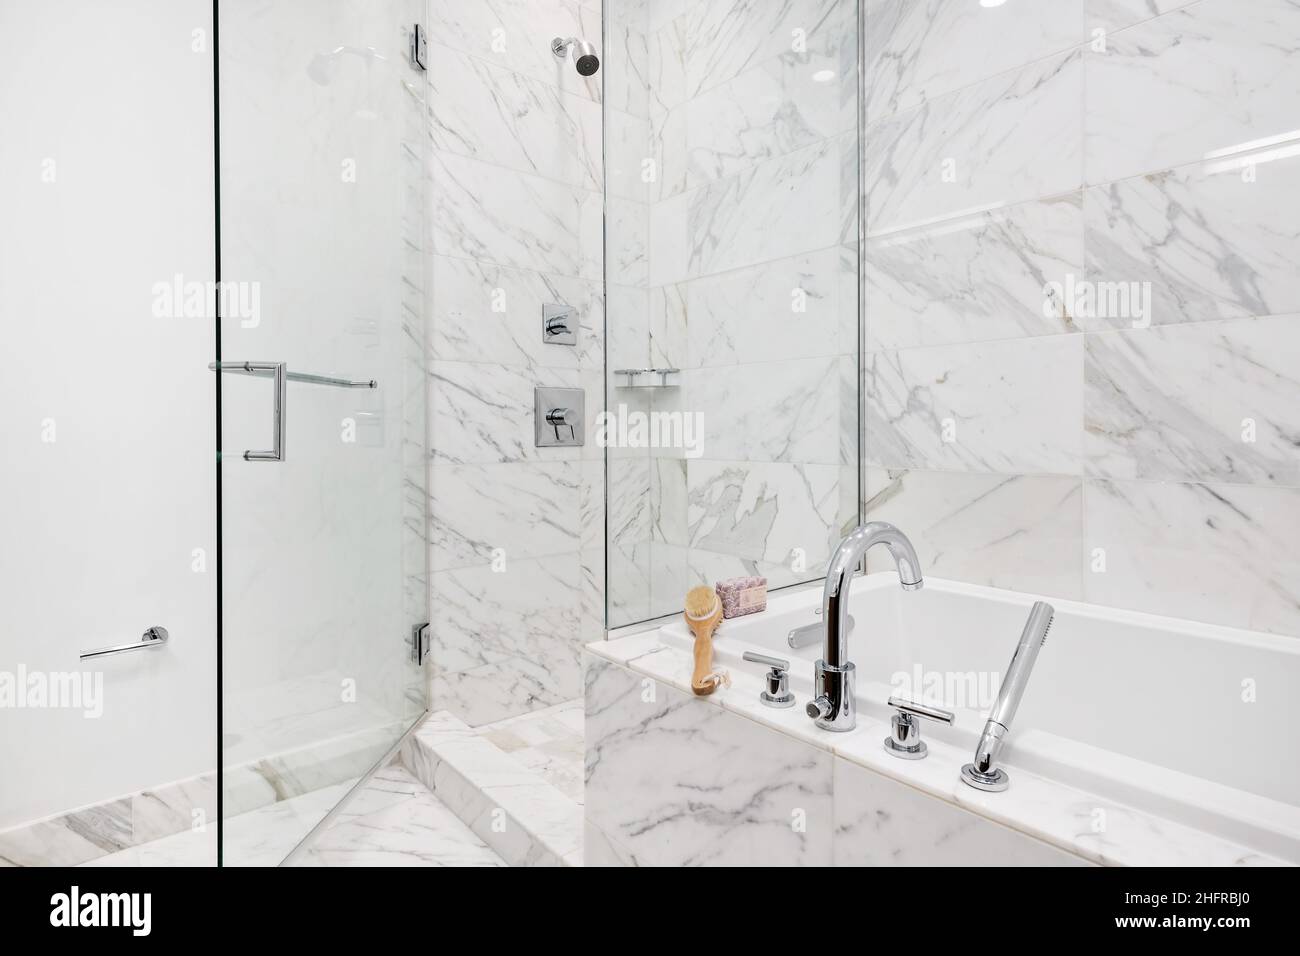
[741, 596]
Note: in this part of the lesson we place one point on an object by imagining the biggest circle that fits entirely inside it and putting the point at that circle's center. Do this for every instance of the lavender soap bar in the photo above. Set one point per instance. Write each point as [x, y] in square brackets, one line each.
[741, 596]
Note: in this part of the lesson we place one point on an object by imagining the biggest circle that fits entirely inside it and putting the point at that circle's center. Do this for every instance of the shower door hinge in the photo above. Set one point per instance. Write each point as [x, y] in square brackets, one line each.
[419, 48]
[420, 642]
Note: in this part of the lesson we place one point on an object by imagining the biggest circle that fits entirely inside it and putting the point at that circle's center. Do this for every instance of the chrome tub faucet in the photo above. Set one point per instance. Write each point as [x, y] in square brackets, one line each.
[832, 706]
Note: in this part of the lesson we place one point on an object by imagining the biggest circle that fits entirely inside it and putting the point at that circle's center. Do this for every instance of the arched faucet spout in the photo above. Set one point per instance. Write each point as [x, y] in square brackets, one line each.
[833, 707]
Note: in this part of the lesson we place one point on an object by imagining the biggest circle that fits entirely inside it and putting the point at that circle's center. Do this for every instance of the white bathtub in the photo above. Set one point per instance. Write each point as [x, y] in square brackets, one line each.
[1142, 710]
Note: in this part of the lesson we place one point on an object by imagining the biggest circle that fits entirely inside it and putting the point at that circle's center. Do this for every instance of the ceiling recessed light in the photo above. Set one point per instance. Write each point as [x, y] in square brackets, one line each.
[823, 76]
[992, 3]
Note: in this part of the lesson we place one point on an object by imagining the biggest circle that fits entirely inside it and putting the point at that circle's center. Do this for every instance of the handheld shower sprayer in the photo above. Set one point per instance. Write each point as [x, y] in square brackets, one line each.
[984, 774]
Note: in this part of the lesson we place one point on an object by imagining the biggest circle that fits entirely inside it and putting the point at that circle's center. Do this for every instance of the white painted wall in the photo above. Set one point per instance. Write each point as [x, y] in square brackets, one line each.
[99, 526]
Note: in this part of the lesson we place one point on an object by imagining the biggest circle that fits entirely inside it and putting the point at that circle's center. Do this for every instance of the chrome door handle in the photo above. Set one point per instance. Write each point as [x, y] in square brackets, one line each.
[156, 636]
[279, 383]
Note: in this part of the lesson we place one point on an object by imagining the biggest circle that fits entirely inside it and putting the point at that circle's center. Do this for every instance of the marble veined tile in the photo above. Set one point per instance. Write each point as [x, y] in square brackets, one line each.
[548, 742]
[778, 209]
[265, 836]
[627, 146]
[162, 811]
[668, 327]
[628, 508]
[775, 411]
[773, 109]
[629, 329]
[799, 307]
[710, 567]
[504, 800]
[667, 142]
[1222, 554]
[480, 413]
[666, 67]
[918, 49]
[1111, 15]
[1012, 406]
[670, 253]
[668, 501]
[1212, 401]
[71, 838]
[409, 826]
[979, 277]
[591, 506]
[881, 822]
[1022, 532]
[528, 609]
[504, 688]
[498, 116]
[1008, 139]
[628, 582]
[599, 850]
[627, 241]
[778, 512]
[723, 40]
[487, 313]
[519, 509]
[1202, 81]
[661, 782]
[1214, 240]
[486, 212]
[625, 66]
[516, 34]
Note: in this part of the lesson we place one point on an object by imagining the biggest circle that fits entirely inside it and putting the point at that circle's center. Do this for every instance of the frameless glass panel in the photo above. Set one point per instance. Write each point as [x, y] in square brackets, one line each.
[732, 270]
[323, 525]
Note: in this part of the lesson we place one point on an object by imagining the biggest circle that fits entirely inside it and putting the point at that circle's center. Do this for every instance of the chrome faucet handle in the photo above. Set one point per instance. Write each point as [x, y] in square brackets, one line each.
[904, 740]
[777, 692]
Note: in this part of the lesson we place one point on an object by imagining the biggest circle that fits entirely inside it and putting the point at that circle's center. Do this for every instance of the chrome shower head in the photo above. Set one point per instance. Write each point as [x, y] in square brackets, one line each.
[585, 59]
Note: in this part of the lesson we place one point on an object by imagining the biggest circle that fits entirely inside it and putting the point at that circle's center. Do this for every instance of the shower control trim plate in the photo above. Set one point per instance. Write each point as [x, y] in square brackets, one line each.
[559, 417]
[559, 324]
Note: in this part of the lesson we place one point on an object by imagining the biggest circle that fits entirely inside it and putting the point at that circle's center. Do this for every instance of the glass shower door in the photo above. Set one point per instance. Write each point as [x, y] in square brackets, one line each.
[323, 487]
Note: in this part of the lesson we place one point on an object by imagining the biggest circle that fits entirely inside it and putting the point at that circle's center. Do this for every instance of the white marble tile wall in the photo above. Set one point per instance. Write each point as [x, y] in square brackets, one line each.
[1026, 423]
[517, 550]
[733, 256]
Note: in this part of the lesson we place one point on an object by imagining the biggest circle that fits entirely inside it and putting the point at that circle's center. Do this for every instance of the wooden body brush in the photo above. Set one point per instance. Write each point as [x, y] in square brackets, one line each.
[703, 615]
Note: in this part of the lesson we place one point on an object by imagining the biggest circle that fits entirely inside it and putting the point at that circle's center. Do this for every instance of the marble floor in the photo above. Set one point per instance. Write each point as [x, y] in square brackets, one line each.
[549, 742]
[395, 821]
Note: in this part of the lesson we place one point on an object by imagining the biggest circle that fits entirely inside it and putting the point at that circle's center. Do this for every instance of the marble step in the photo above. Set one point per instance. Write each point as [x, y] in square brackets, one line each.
[513, 809]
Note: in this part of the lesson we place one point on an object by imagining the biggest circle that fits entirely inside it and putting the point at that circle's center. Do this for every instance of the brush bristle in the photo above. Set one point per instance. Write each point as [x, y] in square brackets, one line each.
[701, 601]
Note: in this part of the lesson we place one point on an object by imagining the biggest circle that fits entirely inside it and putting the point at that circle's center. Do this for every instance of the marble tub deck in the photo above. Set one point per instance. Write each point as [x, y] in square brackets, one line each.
[1053, 814]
